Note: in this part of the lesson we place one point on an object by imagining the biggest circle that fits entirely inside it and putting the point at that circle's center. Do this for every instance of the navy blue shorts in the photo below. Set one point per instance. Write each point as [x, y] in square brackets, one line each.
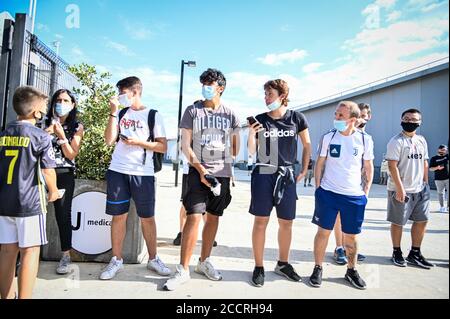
[262, 202]
[122, 187]
[329, 204]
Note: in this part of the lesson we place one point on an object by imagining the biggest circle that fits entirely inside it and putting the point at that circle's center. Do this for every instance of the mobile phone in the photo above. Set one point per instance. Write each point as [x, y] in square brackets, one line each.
[406, 197]
[61, 193]
[251, 120]
[123, 137]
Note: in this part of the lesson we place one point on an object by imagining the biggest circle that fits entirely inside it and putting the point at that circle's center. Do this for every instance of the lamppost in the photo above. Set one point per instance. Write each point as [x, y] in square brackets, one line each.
[180, 105]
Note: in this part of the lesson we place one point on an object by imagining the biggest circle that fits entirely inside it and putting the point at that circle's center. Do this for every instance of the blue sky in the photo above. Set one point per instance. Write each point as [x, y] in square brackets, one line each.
[320, 47]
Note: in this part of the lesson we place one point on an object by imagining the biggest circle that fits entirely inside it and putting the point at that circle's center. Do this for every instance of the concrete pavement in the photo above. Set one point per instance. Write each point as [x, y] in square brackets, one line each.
[234, 258]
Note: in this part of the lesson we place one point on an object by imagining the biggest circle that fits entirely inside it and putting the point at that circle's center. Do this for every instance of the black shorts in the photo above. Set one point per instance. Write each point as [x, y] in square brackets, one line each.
[184, 187]
[200, 199]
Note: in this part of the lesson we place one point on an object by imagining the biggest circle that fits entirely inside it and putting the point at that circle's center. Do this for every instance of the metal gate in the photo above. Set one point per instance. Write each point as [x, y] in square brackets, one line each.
[26, 60]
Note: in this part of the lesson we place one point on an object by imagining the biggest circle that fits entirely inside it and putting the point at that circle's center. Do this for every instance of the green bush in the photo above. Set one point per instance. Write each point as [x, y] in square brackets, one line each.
[93, 104]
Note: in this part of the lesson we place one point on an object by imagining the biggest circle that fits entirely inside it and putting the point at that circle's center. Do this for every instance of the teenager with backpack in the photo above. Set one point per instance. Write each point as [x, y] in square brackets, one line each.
[139, 134]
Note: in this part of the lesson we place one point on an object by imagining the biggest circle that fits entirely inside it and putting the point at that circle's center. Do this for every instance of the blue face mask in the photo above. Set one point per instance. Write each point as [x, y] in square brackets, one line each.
[341, 126]
[62, 109]
[275, 105]
[208, 92]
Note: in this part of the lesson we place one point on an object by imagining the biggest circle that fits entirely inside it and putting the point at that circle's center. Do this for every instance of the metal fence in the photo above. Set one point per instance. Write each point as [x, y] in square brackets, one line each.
[26, 60]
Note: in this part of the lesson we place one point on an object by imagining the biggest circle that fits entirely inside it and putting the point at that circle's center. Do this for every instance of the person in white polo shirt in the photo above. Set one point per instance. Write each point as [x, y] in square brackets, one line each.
[343, 151]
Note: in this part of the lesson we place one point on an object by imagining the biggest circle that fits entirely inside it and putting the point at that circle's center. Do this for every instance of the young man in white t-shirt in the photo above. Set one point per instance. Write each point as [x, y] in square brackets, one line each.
[342, 151]
[408, 189]
[131, 172]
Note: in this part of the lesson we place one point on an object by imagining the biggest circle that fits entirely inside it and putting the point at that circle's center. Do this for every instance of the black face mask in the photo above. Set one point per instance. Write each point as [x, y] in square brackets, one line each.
[362, 125]
[410, 127]
[41, 121]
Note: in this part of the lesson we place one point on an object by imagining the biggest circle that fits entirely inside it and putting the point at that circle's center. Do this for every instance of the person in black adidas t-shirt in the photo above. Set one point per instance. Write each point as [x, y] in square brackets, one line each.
[274, 137]
[25, 152]
[439, 165]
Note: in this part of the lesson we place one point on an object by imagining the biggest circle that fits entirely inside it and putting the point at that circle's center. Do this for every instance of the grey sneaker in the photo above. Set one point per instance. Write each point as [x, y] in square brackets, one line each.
[64, 265]
[180, 277]
[206, 268]
[159, 267]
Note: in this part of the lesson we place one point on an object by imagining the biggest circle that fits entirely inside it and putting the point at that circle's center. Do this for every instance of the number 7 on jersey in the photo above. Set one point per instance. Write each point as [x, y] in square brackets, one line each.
[14, 154]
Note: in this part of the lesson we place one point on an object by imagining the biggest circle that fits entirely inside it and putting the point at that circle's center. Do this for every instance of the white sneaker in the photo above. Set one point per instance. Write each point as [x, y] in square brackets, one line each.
[181, 277]
[112, 269]
[158, 266]
[443, 210]
[206, 268]
[64, 265]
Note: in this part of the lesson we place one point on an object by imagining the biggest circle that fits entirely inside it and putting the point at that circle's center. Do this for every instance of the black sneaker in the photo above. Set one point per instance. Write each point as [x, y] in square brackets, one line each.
[258, 277]
[316, 278]
[177, 240]
[417, 259]
[215, 244]
[287, 271]
[361, 257]
[397, 259]
[353, 277]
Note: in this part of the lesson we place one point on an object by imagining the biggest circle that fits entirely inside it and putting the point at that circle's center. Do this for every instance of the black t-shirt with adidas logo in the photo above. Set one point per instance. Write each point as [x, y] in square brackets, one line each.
[281, 133]
[24, 151]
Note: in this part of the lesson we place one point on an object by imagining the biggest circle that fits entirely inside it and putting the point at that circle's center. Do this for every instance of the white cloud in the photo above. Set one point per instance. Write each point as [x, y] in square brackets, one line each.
[280, 58]
[137, 31]
[77, 51]
[387, 4]
[285, 28]
[59, 36]
[393, 16]
[425, 5]
[42, 27]
[121, 48]
[311, 67]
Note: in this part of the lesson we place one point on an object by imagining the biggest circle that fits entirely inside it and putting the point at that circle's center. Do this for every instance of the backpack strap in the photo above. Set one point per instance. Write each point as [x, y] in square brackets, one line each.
[151, 126]
[121, 115]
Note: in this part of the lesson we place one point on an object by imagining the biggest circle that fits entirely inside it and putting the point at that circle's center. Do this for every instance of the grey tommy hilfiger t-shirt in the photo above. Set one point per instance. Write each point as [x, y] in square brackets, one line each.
[211, 136]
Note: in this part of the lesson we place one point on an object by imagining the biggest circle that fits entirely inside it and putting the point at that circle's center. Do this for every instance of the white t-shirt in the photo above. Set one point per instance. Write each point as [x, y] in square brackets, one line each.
[411, 153]
[344, 161]
[128, 159]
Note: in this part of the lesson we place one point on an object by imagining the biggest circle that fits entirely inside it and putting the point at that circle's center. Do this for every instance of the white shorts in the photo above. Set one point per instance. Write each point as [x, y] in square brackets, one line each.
[26, 231]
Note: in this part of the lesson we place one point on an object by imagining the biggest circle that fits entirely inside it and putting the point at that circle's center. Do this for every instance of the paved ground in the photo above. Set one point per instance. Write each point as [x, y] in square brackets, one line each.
[234, 257]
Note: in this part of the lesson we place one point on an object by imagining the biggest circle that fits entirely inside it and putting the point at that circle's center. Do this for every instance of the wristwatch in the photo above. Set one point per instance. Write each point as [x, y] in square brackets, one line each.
[62, 142]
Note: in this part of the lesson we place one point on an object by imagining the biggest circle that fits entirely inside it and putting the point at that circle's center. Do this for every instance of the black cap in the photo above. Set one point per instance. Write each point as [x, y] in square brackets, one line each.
[442, 146]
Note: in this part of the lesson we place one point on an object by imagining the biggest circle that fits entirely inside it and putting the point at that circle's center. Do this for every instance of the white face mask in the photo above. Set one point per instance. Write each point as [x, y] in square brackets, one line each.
[275, 105]
[125, 101]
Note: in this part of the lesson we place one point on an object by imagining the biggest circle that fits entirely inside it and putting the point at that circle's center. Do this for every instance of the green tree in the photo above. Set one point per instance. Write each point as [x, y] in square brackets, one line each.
[93, 102]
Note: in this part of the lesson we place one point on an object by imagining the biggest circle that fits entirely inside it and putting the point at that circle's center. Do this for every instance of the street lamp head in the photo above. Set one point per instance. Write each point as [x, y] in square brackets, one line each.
[191, 64]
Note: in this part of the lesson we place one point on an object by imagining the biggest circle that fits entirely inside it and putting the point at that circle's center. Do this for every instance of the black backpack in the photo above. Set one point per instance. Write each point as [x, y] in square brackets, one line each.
[157, 157]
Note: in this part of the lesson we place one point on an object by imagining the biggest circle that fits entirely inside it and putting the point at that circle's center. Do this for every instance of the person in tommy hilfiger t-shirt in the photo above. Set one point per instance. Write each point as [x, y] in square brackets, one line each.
[25, 152]
[344, 151]
[274, 138]
[210, 135]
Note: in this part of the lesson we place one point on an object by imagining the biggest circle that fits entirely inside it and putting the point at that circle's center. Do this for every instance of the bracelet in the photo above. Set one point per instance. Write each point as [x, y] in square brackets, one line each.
[62, 142]
[112, 115]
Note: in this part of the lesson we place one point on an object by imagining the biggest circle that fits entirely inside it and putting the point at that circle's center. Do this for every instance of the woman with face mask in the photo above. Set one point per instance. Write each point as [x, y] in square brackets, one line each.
[67, 133]
[274, 138]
